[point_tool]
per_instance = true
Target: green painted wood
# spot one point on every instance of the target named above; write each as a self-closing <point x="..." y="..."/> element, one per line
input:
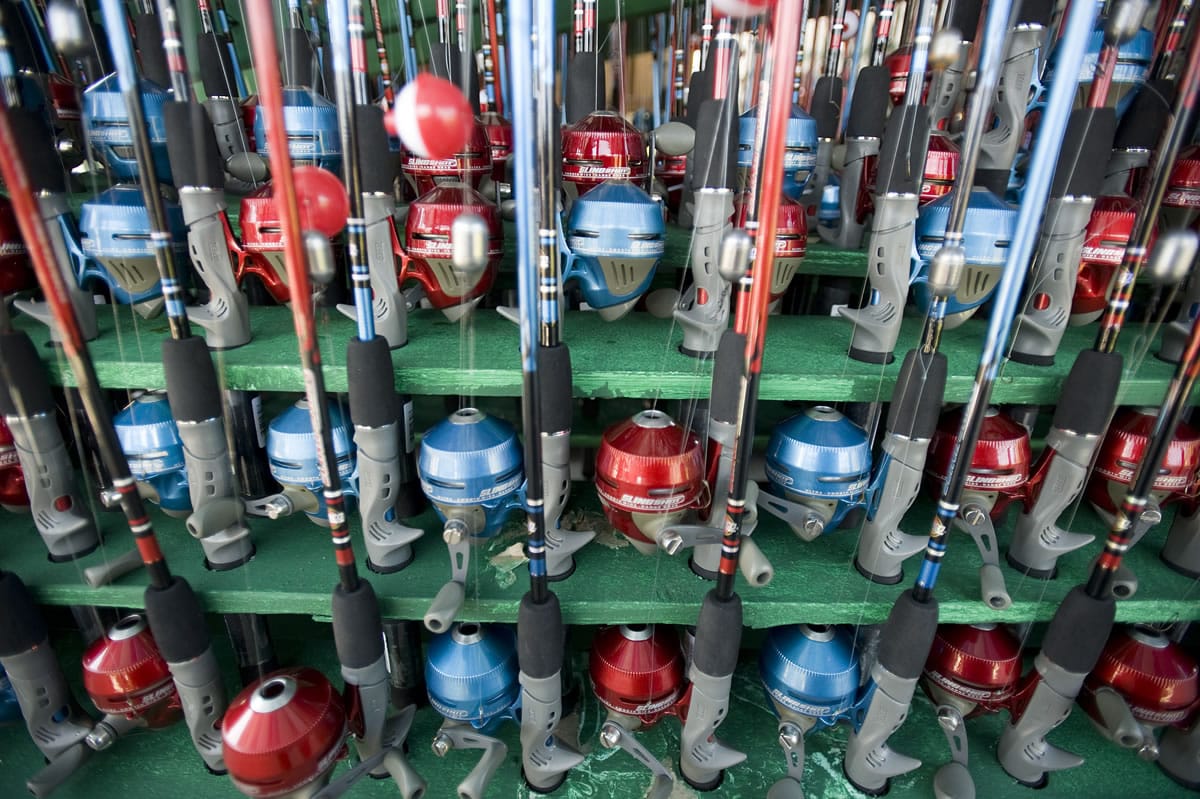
<point x="162" y="763"/>
<point x="636" y="357"/>
<point x="814" y="582"/>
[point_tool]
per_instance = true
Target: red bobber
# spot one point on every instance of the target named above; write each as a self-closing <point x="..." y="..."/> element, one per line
<point x="432" y="117"/>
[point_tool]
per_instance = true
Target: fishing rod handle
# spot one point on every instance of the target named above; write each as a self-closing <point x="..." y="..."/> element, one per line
<point x="889" y="250"/>
<point x="391" y="310"/>
<point x="1072" y="646"/>
<point x="244" y="170"/>
<point x="1175" y="334"/>
<point x="1179" y="755"/>
<point x="704" y="309"/>
<point x="703" y="757"/>
<point x="540" y="635"/>
<point x="374" y="698"/>
<point x="225" y="318"/>
<point x="459" y="736"/>
<point x="849" y="232"/>
<point x="870" y="762"/>
<point x="1181" y="551"/>
<point x="883" y="546"/>
<point x="947" y="83"/>
<point x="557" y="409"/>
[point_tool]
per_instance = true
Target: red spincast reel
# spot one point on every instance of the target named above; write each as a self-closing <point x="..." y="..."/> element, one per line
<point x="649" y="472"/>
<point x="15" y="271"/>
<point x="602" y="146"/>
<point x="262" y="243"/>
<point x="1158" y="680"/>
<point x="471" y="165"/>
<point x="126" y="676"/>
<point x="791" y="241"/>
<point x="898" y="63"/>
<point x="1181" y="203"/>
<point x="283" y="733"/>
<point x="976" y="666"/>
<point x="1104" y="244"/>
<point x="1125" y="444"/>
<point x="499" y="135"/>
<point x="637" y="670"/>
<point x="999" y="466"/>
<point x="941" y="169"/>
<point x="671" y="171"/>
<point x="428" y="250"/>
<point x="13" y="495"/>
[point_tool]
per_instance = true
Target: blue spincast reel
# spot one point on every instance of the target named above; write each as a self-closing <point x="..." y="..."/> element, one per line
<point x="107" y="125"/>
<point x="615" y="238"/>
<point x="115" y="246"/>
<point x="471" y="675"/>
<point x="813" y="671"/>
<point x="799" y="154"/>
<point x="471" y="469"/>
<point x="151" y="443"/>
<point x="818" y="464"/>
<point x="988" y="228"/>
<point x="312" y="130"/>
<point x="292" y="458"/>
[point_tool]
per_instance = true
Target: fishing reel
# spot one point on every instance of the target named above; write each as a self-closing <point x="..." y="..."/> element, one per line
<point x="470" y="166"/>
<point x="649" y="474"/>
<point x="56" y="97"/>
<point x="810" y="674"/>
<point x="898" y="64"/>
<point x="13" y="495"/>
<point x="998" y="475"/>
<point x="987" y="230"/>
<point x="601" y="146"/>
<point x="1144" y="681"/>
<point x="818" y="466"/>
<point x="1181" y="203"/>
<point x="261" y="253"/>
<point x="428" y="254"/>
<point x="282" y="736"/>
<point x="115" y="248"/>
<point x="472" y="471"/>
<point x="941" y="170"/>
<point x="637" y="674"/>
<point x="670" y="171"/>
<point x="799" y="150"/>
<point x="129" y="682"/>
<point x="312" y="130"/>
<point x="471" y="675"/>
<point x="151" y="443"/>
<point x="1134" y="58"/>
<point x="292" y="459"/>
<point x="498" y="131"/>
<point x="1104" y="244"/>
<point x="15" y="271"/>
<point x="106" y="127"/>
<point x="791" y="242"/>
<point x="615" y="237"/>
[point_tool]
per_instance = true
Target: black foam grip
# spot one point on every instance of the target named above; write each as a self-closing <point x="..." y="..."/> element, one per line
<point x="29" y="383"/>
<point x="826" y="106"/>
<point x="1077" y="633"/>
<point x="357" y="626"/>
<point x="177" y="621"/>
<point x="554" y="387"/>
<point x="25" y="55"/>
<point x="582" y="95"/>
<point x="216" y="68"/>
<point x="917" y="398"/>
<point x="35" y="143"/>
<point x="1144" y="122"/>
<point x="908" y="635"/>
<point x="191" y="380"/>
<point x="994" y="180"/>
<point x="21" y="624"/>
<point x="727" y="377"/>
<point x="1036" y="12"/>
<point x="713" y="161"/>
<point x="150" y="48"/>
<point x="964" y="17"/>
<point x="1086" y="145"/>
<point x="1089" y="393"/>
<point x="700" y="89"/>
<point x="375" y="156"/>
<point x="298" y="58"/>
<point x="718" y="635"/>
<point x="868" y="107"/>
<point x="540" y="637"/>
<point x="902" y="151"/>
<point x="373" y="401"/>
<point x="192" y="146"/>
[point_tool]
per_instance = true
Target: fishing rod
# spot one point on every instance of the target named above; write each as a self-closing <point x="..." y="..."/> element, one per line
<point x="920" y="386"/>
<point x="947" y="84"/>
<point x="908" y="633"/>
<point x="1083" y="410"/>
<point x="703" y="757"/>
<point x="357" y="624"/>
<point x="826" y="109"/>
<point x="384" y="87"/>
<point x="172" y="608"/>
<point x="380" y="315"/>
<point x="585" y="90"/>
<point x="902" y="156"/>
<point x="545" y="383"/>
<point x="492" y="63"/>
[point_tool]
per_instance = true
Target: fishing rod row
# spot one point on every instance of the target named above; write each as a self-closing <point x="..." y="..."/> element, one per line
<point x="992" y="198"/>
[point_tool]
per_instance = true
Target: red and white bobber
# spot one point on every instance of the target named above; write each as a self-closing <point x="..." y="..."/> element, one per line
<point x="129" y="682"/>
<point x="649" y="474"/>
<point x="431" y="117"/>
<point x="601" y="146"/>
<point x="1144" y="681"/>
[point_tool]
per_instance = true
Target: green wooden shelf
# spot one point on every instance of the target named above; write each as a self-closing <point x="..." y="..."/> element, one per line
<point x="293" y="573"/>
<point x="163" y="763"/>
<point x="638" y="356"/>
